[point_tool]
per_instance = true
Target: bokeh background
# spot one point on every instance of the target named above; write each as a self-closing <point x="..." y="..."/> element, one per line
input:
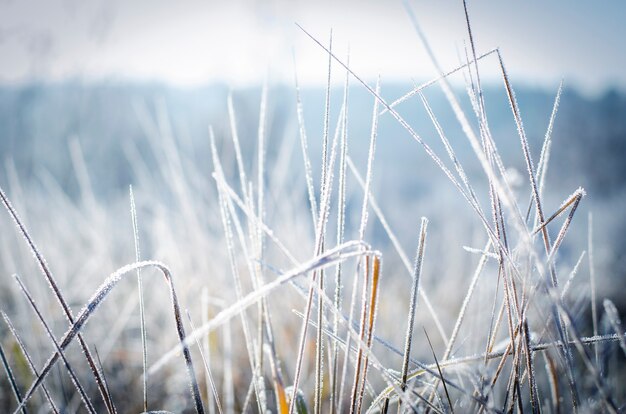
<point x="92" y="72"/>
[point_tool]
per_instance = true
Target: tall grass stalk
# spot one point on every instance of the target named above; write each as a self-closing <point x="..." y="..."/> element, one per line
<point x="142" y="314"/>
<point x="592" y="282"/>
<point x="226" y="222"/>
<point x="341" y="218"/>
<point x="419" y="258"/>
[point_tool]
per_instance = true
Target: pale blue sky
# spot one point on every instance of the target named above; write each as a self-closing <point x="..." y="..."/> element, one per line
<point x="239" y="42"/>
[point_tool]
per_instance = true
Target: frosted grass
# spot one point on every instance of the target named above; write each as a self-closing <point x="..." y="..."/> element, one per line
<point x="237" y="246"/>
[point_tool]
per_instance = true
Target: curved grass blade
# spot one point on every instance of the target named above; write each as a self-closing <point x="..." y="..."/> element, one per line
<point x="66" y="363"/>
<point x="329" y="258"/>
<point x="59" y="296"/>
<point x="94" y="302"/>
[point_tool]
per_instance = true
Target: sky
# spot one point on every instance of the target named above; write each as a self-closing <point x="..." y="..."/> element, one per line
<point x="193" y="42"/>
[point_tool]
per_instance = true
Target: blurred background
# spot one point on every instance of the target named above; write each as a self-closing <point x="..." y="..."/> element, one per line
<point x="94" y="72"/>
<point x="99" y="95"/>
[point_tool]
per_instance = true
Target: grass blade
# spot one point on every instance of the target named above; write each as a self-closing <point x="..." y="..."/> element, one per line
<point x="417" y="271"/>
<point x="9" y="372"/>
<point x="142" y="314"/>
<point x="445" y="387"/>
<point x="29" y="360"/>
<point x="206" y="367"/>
